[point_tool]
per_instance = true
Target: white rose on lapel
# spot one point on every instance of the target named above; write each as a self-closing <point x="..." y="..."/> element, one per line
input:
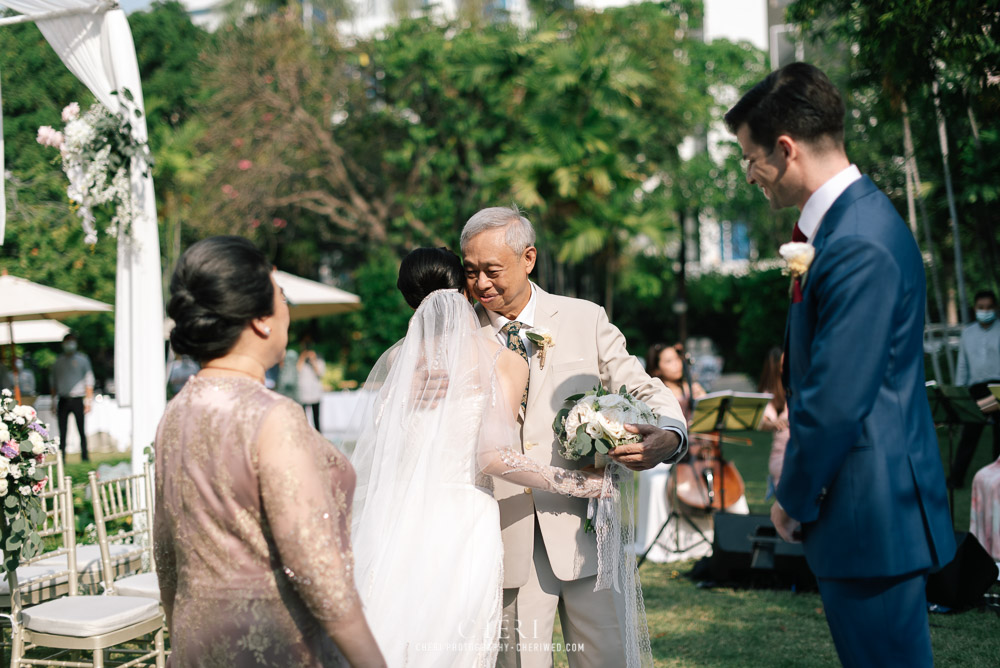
<point x="542" y="338"/>
<point x="798" y="256"/>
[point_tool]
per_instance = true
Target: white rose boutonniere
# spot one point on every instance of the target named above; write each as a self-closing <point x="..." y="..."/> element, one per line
<point x="798" y="256"/>
<point x="542" y="338"/>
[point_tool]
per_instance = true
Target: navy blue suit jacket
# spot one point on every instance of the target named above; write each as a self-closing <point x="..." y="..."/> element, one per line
<point x="862" y="468"/>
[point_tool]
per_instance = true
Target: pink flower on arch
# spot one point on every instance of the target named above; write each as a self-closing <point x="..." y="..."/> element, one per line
<point x="244" y="164"/>
<point x="255" y="223"/>
<point x="70" y="112"/>
<point x="280" y="223"/>
<point x="268" y="117"/>
<point x="48" y="136"/>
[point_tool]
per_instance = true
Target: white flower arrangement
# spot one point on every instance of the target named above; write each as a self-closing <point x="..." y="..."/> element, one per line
<point x="595" y="422"/>
<point x="24" y="442"/>
<point x="542" y="338"/>
<point x="98" y="150"/>
<point x="798" y="256"/>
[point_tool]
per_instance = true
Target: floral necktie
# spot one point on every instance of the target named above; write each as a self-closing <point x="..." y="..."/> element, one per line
<point x="512" y="330"/>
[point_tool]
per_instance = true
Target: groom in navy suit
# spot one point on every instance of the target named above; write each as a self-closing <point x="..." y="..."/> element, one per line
<point x="862" y="484"/>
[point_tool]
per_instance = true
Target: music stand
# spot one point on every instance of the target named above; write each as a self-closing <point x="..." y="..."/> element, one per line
<point x="728" y="411"/>
<point x="716" y="413"/>
<point x="952" y="406"/>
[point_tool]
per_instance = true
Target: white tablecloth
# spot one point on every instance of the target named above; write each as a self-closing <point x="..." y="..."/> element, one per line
<point x="340" y="416"/>
<point x="108" y="426"/>
<point x="680" y="539"/>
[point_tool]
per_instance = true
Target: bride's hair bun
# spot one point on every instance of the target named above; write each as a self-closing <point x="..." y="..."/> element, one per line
<point x="219" y="285"/>
<point x="425" y="270"/>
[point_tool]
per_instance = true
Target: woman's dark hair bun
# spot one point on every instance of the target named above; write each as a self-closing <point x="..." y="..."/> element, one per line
<point x="219" y="285"/>
<point x="425" y="270"/>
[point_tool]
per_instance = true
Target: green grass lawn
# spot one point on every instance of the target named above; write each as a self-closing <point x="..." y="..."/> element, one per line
<point x="743" y="628"/>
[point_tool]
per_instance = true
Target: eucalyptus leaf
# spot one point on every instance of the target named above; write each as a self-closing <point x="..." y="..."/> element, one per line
<point x="602" y="446"/>
<point x="10" y="501"/>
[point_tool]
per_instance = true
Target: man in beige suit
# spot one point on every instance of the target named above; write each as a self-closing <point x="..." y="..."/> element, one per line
<point x="550" y="563"/>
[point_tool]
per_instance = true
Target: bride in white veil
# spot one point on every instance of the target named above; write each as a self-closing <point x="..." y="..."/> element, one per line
<point x="426" y="529"/>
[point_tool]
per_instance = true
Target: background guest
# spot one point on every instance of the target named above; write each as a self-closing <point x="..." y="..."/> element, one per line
<point x="73" y="390"/>
<point x="775" y="415"/>
<point x="6" y="378"/>
<point x="310" y="369"/>
<point x="978" y="367"/>
<point x="181" y="369"/>
<point x="249" y="573"/>
<point x="668" y="362"/>
<point x="288" y="376"/>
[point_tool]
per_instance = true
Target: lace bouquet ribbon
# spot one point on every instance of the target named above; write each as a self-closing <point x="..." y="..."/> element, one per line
<point x="613" y="517"/>
<point x="591" y="425"/>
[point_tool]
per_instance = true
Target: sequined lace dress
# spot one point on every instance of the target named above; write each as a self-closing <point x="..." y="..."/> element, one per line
<point x="260" y="560"/>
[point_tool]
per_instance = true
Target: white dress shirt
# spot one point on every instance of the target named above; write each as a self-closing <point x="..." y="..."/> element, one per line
<point x="820" y="201"/>
<point x="526" y="317"/>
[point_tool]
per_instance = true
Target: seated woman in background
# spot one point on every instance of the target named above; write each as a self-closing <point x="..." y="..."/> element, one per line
<point x="668" y="363"/>
<point x="252" y="528"/>
<point x="775" y="416"/>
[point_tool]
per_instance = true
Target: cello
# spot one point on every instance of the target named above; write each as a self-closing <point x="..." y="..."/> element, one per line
<point x="702" y="480"/>
<point x="702" y="477"/>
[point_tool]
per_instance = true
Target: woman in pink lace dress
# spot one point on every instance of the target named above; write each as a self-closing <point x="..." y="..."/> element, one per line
<point x="252" y="524"/>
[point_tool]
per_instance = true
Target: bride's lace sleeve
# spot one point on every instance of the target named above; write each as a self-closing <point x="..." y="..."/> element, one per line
<point x="509" y="464"/>
<point x="306" y="492"/>
<point x="499" y="455"/>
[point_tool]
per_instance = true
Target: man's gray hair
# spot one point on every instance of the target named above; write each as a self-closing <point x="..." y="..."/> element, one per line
<point x="520" y="233"/>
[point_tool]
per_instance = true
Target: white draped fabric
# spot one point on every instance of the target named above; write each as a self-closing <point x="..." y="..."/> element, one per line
<point x="98" y="49"/>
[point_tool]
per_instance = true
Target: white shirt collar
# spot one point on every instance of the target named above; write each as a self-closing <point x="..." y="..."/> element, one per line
<point x="525" y="317"/>
<point x="820" y="201"/>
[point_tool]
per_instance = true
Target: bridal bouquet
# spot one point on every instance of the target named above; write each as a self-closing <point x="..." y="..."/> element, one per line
<point x="97" y="149"/>
<point x="594" y="422"/>
<point x="24" y="442"/>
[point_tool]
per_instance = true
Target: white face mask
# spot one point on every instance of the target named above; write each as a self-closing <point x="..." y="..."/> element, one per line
<point x="986" y="317"/>
<point x="69" y="347"/>
<point x="19" y="365"/>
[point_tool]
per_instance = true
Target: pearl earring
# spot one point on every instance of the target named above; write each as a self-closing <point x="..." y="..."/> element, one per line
<point x="266" y="330"/>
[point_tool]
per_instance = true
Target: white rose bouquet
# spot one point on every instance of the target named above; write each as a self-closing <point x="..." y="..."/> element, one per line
<point x="24" y="442"/>
<point x="595" y="422"/>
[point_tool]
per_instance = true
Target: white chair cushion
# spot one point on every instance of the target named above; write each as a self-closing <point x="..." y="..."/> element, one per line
<point x="144" y="584"/>
<point x="88" y="557"/>
<point x="26" y="574"/>
<point x="86" y="616"/>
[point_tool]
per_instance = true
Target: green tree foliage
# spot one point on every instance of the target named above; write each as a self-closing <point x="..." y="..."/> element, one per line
<point x="895" y="51"/>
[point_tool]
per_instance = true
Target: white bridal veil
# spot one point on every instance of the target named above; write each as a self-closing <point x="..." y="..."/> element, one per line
<point x="425" y="528"/>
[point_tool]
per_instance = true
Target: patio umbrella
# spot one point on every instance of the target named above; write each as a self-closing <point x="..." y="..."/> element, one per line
<point x="34" y="331"/>
<point x="306" y="299"/>
<point x="21" y="299"/>
<point x="311" y="299"/>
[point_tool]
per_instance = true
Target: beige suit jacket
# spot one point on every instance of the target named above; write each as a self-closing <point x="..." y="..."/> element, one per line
<point x="588" y="350"/>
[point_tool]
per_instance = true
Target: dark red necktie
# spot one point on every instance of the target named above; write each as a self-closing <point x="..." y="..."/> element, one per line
<point x="798" y="236"/>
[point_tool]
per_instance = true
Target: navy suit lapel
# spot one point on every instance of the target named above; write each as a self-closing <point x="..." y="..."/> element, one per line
<point x="831" y="220"/>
